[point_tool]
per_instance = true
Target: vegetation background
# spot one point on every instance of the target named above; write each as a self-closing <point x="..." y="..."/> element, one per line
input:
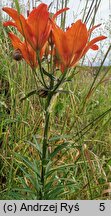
<point x="80" y="128"/>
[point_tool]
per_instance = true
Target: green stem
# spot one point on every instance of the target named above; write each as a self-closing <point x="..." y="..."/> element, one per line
<point x="35" y="77"/>
<point x="51" y="68"/>
<point x="46" y="129"/>
<point x="41" y="70"/>
<point x="60" y="81"/>
<point x="45" y="145"/>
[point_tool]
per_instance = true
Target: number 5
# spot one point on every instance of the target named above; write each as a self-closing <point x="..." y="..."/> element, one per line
<point x="102" y="207"/>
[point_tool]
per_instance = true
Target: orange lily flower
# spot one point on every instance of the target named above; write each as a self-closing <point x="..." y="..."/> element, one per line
<point x="26" y="50"/>
<point x="73" y="44"/>
<point x="35" y="29"/>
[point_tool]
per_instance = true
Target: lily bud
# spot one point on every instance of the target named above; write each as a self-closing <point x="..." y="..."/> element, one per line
<point x="17" y="55"/>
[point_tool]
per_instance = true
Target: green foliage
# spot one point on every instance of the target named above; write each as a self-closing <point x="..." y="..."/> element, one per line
<point x="78" y="159"/>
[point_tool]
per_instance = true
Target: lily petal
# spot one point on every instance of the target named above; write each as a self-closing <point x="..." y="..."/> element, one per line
<point x="93" y="28"/>
<point x="20" y="23"/>
<point x="38" y="21"/>
<point x="94" y="47"/>
<point x="77" y="36"/>
<point x="28" y="53"/>
<point x="59" y="12"/>
<point x="9" y="23"/>
<point x="91" y="44"/>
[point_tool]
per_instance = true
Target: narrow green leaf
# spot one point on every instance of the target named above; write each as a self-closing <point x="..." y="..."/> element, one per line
<point x="55" y="193"/>
<point x="29" y="94"/>
<point x="58" y="148"/>
<point x="60" y="137"/>
<point x="48" y="74"/>
<point x="27" y="163"/>
<point x="36" y="146"/>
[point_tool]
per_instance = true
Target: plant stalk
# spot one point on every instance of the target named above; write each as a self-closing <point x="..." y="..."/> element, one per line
<point x="45" y="145"/>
